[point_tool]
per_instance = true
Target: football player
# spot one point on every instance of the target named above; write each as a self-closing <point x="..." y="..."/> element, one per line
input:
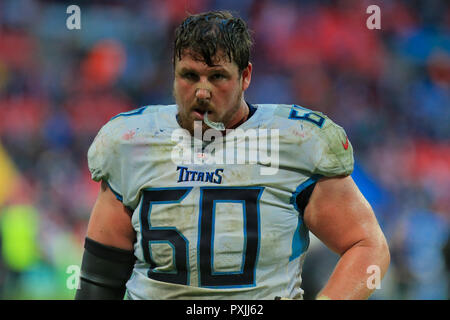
<point x="162" y="228"/>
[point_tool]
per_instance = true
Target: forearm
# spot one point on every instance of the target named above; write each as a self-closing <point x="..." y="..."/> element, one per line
<point x="349" y="279"/>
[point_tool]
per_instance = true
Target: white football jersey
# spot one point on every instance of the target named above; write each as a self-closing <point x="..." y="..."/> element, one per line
<point x="212" y="229"/>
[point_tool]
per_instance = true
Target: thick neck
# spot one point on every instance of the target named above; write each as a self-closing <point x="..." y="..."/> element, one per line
<point x="241" y="116"/>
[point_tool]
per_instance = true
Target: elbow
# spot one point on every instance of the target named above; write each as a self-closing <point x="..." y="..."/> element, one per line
<point x="383" y="254"/>
<point x="378" y="253"/>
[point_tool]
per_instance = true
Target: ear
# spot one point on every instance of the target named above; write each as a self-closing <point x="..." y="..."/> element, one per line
<point x="246" y="77"/>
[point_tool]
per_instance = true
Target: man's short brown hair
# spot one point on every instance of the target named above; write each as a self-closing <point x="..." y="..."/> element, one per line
<point x="206" y="34"/>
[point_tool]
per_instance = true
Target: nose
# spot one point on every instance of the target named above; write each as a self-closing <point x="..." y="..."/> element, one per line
<point x="202" y="93"/>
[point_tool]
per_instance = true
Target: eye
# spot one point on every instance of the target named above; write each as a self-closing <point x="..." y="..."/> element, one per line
<point x="189" y="76"/>
<point x="217" y="76"/>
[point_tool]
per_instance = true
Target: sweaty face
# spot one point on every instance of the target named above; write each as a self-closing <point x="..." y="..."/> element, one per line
<point x="216" y="90"/>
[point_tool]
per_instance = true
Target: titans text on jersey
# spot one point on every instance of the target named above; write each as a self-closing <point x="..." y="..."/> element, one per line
<point x="209" y="231"/>
<point x="192" y="175"/>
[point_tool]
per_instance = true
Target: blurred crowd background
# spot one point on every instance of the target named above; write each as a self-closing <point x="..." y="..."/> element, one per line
<point x="388" y="88"/>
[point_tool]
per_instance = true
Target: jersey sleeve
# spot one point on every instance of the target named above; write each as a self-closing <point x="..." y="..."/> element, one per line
<point x="336" y="156"/>
<point x="104" y="159"/>
<point x="312" y="143"/>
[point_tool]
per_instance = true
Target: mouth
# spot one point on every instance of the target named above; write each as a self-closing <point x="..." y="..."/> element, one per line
<point x="200" y="113"/>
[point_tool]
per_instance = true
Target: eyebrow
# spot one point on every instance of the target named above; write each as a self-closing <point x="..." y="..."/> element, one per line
<point x="211" y="69"/>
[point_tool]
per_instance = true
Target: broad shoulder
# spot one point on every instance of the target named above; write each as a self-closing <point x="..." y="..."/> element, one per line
<point x="143" y="119"/>
<point x="310" y="135"/>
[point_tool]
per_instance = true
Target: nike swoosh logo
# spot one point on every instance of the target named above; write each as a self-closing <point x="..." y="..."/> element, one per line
<point x="345" y="145"/>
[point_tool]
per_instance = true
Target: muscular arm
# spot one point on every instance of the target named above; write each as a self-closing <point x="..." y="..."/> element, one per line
<point x="340" y="216"/>
<point x="110" y="221"/>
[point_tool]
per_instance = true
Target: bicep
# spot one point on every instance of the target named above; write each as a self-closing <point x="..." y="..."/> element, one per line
<point x="340" y="216"/>
<point x="110" y="221"/>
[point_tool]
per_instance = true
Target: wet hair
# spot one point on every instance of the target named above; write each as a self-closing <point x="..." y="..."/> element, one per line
<point x="206" y="34"/>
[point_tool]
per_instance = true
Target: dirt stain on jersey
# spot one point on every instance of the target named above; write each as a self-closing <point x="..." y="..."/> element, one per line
<point x="129" y="135"/>
<point x="238" y="175"/>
